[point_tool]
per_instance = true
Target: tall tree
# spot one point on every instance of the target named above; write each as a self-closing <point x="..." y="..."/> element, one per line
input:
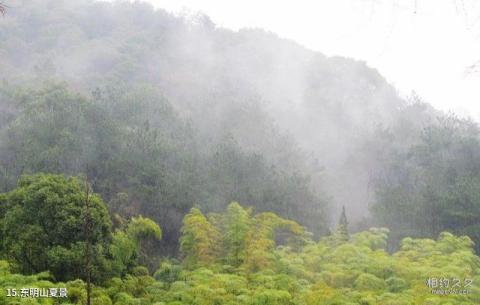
<point x="199" y="239"/>
<point x="342" y="233"/>
<point x="434" y="185"/>
<point x="88" y="230"/>
<point x="44" y="227"/>
<point x="237" y="224"/>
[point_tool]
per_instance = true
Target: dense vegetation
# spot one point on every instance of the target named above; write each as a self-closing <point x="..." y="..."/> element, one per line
<point x="236" y="257"/>
<point x="434" y="185"/>
<point x="142" y="158"/>
<point x="116" y="119"/>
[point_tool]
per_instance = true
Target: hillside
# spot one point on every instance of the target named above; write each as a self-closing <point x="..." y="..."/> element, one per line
<point x="154" y="159"/>
<point x="178" y="111"/>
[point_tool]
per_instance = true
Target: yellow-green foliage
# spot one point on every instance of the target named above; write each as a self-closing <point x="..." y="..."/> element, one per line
<point x="199" y="239"/>
<point x="279" y="265"/>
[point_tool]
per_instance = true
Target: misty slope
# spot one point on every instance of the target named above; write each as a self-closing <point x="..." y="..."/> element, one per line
<point x="266" y="93"/>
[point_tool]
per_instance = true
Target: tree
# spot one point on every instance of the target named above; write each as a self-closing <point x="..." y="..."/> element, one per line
<point x="126" y="248"/>
<point x="342" y="233"/>
<point x="88" y="230"/>
<point x="433" y="186"/>
<point x="43" y="227"/>
<point x="266" y="231"/>
<point x="58" y="131"/>
<point x="199" y="239"/>
<point x="237" y="223"/>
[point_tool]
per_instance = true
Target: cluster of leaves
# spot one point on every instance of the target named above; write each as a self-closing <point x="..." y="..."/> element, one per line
<point x="142" y="157"/>
<point x="236" y="238"/>
<point x="434" y="184"/>
<point x="44" y="229"/>
<point x="239" y="258"/>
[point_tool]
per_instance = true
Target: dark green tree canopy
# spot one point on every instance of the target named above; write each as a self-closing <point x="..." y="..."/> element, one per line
<point x="433" y="185"/>
<point x="43" y="225"/>
<point x="342" y="228"/>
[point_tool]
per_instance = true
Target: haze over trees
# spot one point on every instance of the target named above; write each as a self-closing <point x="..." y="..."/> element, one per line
<point x="225" y="167"/>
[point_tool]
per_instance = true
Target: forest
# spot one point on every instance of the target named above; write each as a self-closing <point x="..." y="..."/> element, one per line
<point x="151" y="158"/>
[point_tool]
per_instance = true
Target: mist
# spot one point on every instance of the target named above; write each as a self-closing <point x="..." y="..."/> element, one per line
<point x="155" y="158"/>
<point x="328" y="125"/>
<point x="329" y="108"/>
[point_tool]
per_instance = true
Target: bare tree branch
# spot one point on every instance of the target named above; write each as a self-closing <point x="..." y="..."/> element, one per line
<point x="3" y="8"/>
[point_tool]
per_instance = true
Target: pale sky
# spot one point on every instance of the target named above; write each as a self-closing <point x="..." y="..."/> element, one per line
<point x="418" y="45"/>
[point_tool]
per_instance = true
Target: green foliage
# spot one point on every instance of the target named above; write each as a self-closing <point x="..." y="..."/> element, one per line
<point x="126" y="247"/>
<point x="48" y="135"/>
<point x="143" y="156"/>
<point x="342" y="234"/>
<point x="236" y="240"/>
<point x="43" y="229"/>
<point x="268" y="229"/>
<point x="357" y="271"/>
<point x="168" y="272"/>
<point x="199" y="239"/>
<point x="43" y="223"/>
<point x="237" y="223"/>
<point x="130" y="113"/>
<point x="140" y="228"/>
<point x="434" y="186"/>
